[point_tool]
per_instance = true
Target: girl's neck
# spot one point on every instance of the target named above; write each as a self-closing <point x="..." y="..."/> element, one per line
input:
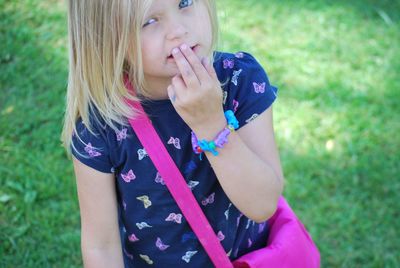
<point x="157" y="88"/>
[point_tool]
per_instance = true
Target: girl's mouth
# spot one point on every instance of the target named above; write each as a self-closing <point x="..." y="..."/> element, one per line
<point x="194" y="48"/>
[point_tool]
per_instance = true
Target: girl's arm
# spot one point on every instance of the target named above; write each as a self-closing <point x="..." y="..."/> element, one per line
<point x="100" y="238"/>
<point x="248" y="167"/>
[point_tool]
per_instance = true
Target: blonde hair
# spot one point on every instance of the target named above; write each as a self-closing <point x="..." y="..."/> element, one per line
<point x="100" y="34"/>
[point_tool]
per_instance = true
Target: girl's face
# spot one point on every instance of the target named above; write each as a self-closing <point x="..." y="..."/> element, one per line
<point x="167" y="25"/>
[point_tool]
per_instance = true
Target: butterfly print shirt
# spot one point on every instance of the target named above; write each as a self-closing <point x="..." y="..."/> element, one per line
<point x="153" y="230"/>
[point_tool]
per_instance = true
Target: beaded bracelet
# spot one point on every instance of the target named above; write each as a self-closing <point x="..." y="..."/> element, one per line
<point x="203" y="145"/>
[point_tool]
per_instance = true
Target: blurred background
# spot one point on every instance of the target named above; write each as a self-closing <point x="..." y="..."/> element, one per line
<point x="337" y="124"/>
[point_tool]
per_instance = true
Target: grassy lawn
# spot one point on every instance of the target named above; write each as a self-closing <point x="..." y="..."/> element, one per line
<point x="337" y="124"/>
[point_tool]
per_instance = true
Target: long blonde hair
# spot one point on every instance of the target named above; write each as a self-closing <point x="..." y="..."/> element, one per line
<point x="100" y="34"/>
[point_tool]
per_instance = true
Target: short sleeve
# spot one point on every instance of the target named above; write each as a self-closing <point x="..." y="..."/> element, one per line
<point x="249" y="90"/>
<point x="91" y="148"/>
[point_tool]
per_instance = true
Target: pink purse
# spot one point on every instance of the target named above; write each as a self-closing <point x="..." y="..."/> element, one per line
<point x="289" y="244"/>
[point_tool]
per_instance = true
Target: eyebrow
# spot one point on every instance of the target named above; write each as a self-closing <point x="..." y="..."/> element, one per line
<point x="158" y="11"/>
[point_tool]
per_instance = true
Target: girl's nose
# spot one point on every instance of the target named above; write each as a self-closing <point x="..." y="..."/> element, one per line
<point x="176" y="30"/>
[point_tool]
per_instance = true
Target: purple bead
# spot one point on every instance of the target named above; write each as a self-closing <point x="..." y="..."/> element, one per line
<point x="222" y="138"/>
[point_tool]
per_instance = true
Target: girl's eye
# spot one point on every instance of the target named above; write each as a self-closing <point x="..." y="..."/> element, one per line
<point x="182" y="4"/>
<point x="185" y="3"/>
<point x="150" y="21"/>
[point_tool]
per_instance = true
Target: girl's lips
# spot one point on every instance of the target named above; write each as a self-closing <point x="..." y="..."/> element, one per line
<point x="194" y="48"/>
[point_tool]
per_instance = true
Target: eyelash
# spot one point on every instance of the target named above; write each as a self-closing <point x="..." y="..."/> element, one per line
<point x="187" y="2"/>
<point x="181" y="6"/>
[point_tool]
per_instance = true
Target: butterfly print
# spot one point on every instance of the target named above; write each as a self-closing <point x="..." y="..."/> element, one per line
<point x="228" y="63"/>
<point x="160" y="245"/>
<point x="254" y="116"/>
<point x="193" y="184"/>
<point x="159" y="179"/>
<point x="208" y="200"/>
<point x="188" y="256"/>
<point x="174" y="217"/>
<point x="175" y="141"/>
<point x="259" y="88"/>
<point x="239" y="55"/>
<point x="235" y="77"/>
<point x="224" y="96"/>
<point x="121" y="135"/>
<point x="248" y="223"/>
<point x="220" y="236"/>
<point x="142" y="225"/>
<point x="130" y="256"/>
<point x="261" y="227"/>
<point x="91" y="151"/>
<point x="133" y="238"/>
<point x="238" y="219"/>
<point x="142" y="154"/>
<point x="227" y="211"/>
<point x="249" y="243"/>
<point x="128" y="177"/>
<point x="236" y="253"/>
<point x="229" y="253"/>
<point x="146" y="259"/>
<point x="190" y="167"/>
<point x="235" y="105"/>
<point x="188" y="236"/>
<point x="145" y="199"/>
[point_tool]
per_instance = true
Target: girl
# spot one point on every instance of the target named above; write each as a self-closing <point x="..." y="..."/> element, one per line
<point x="165" y="49"/>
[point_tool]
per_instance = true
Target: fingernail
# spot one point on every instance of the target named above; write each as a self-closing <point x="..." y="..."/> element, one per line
<point x="184" y="46"/>
<point x="171" y="94"/>
<point x="175" y="51"/>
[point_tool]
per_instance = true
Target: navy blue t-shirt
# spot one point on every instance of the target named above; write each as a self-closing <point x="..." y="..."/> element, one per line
<point x="154" y="232"/>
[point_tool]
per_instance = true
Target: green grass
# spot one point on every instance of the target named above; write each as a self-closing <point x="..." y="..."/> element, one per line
<point x="337" y="124"/>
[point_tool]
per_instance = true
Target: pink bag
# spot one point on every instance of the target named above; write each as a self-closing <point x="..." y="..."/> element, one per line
<point x="289" y="244"/>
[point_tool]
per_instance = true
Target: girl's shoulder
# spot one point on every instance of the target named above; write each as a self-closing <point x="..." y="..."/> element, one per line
<point x="229" y="61"/>
<point x="96" y="125"/>
<point x="246" y="86"/>
<point x="232" y="66"/>
<point x="94" y="142"/>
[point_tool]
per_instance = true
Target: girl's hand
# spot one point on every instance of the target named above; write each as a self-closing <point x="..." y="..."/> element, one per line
<point x="196" y="94"/>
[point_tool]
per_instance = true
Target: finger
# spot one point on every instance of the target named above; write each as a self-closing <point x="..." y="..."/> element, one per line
<point x="179" y="86"/>
<point x="186" y="70"/>
<point x="195" y="63"/>
<point x="171" y="93"/>
<point x="209" y="68"/>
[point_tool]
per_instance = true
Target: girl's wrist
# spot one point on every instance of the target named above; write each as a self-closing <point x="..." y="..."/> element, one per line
<point x="209" y="130"/>
<point x="210" y="145"/>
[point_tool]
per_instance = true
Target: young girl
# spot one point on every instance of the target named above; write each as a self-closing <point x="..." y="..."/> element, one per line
<point x="165" y="49"/>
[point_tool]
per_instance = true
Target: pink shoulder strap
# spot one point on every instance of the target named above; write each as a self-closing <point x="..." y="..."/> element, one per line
<point x="178" y="188"/>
